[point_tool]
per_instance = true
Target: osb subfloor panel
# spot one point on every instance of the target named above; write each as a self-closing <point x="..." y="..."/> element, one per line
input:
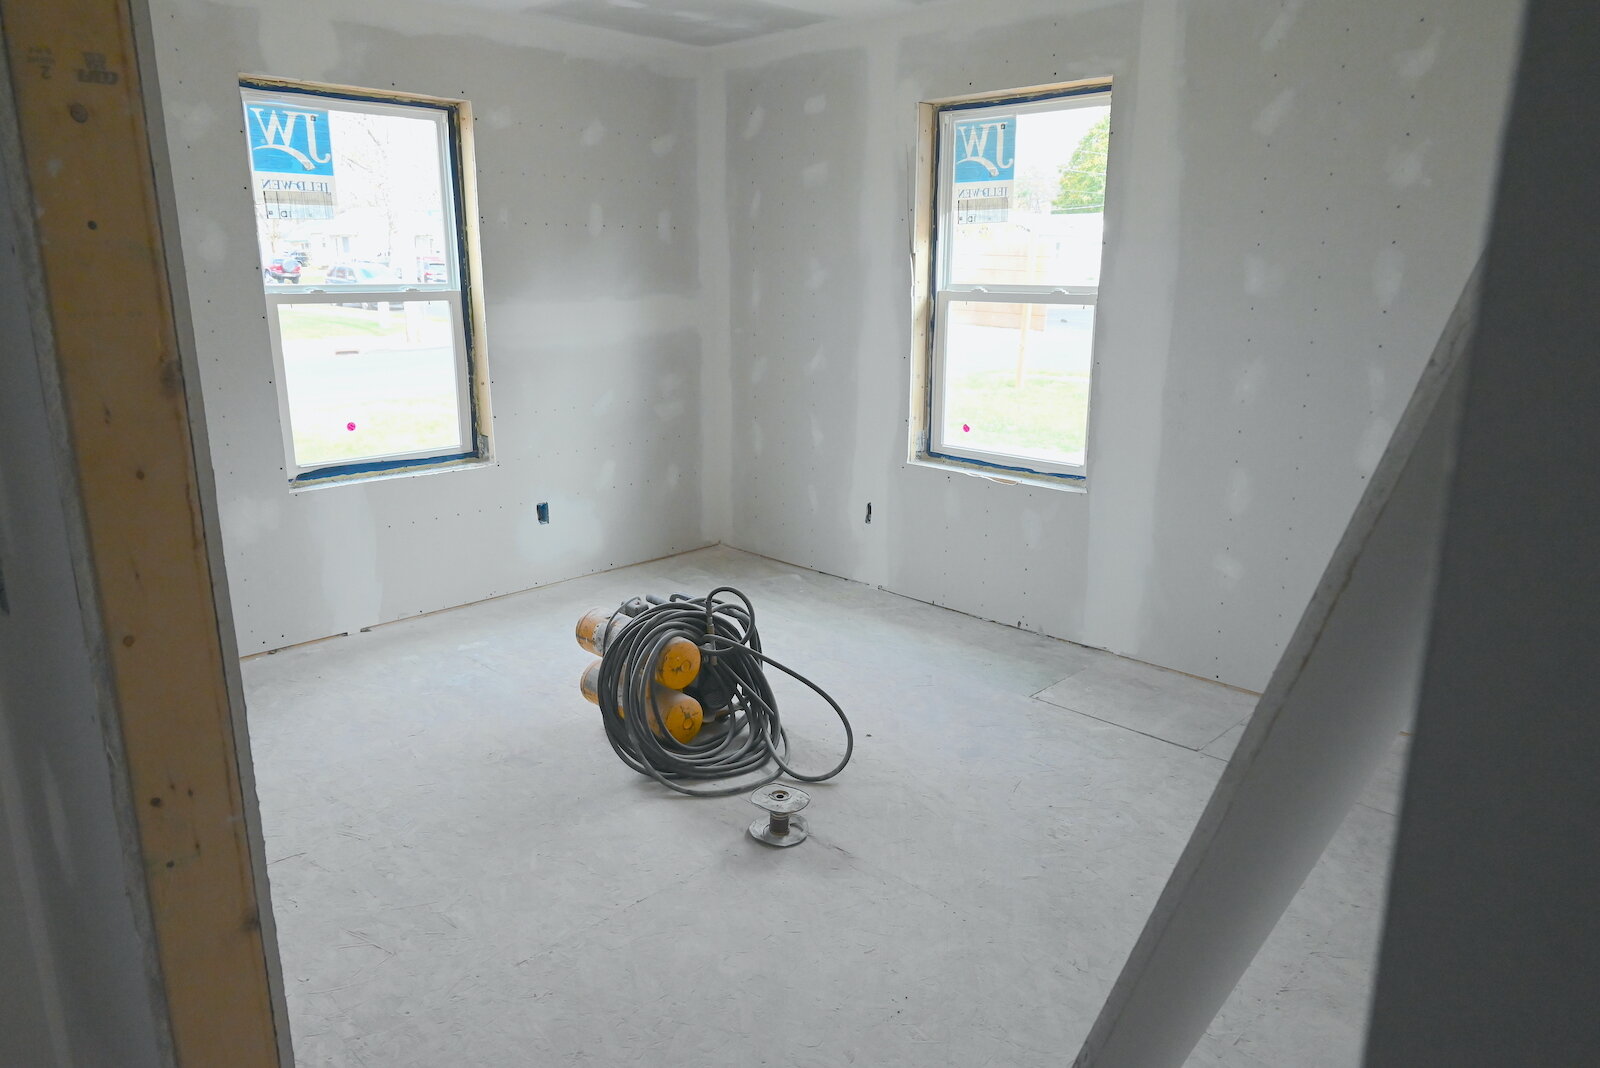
<point x="465" y="875"/>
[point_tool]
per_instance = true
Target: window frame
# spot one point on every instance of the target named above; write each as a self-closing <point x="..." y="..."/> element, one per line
<point x="461" y="293"/>
<point x="935" y="293"/>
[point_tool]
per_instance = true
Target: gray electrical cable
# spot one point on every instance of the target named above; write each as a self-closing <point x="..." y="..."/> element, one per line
<point x="750" y="741"/>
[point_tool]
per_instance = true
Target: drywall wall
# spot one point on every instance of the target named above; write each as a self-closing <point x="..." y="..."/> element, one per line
<point x="1296" y="194"/>
<point x="77" y="983"/>
<point x="1491" y="943"/>
<point x="697" y="275"/>
<point x="588" y="176"/>
<point x="1346" y="684"/>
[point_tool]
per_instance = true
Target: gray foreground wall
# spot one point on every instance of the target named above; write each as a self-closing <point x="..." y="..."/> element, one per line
<point x="75" y="985"/>
<point x="1491" y="946"/>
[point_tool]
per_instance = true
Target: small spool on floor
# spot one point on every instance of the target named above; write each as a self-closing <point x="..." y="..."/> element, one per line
<point x="782" y="827"/>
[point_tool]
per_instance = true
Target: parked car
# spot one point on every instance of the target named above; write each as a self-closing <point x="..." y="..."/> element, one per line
<point x="285" y="269"/>
<point x="361" y="273"/>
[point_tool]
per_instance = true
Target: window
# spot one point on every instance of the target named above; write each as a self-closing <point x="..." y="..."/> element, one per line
<point x="1017" y="191"/>
<point x="364" y="268"/>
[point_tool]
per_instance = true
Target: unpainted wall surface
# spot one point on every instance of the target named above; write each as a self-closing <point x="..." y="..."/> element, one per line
<point x="76" y="986"/>
<point x="1491" y="945"/>
<point x="1297" y="193"/>
<point x="587" y="182"/>
<point x="697" y="271"/>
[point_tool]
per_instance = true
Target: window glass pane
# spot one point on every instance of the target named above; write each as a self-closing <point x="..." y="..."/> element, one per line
<point x="1027" y="196"/>
<point x="347" y="196"/>
<point x="370" y="380"/>
<point x="1016" y="378"/>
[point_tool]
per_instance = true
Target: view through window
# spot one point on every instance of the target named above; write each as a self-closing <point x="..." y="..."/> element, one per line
<point x="1020" y="194"/>
<point x="358" y="224"/>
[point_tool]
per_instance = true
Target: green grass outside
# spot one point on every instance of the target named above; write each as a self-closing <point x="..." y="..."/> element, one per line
<point x="398" y="425"/>
<point x="1047" y="415"/>
<point x="317" y="322"/>
<point x="372" y="367"/>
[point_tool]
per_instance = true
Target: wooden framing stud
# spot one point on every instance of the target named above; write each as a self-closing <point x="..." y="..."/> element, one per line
<point x="80" y="115"/>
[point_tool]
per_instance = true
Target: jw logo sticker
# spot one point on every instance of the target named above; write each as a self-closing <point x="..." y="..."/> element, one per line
<point x="289" y="140"/>
<point x="291" y="155"/>
<point x="985" y="168"/>
<point x="986" y="149"/>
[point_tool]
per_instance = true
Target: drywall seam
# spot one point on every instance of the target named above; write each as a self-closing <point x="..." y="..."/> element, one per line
<point x="956" y="17"/>
<point x="879" y="260"/>
<point x="715" y="297"/>
<point x="529" y="29"/>
<point x="1123" y="480"/>
<point x="485" y="600"/>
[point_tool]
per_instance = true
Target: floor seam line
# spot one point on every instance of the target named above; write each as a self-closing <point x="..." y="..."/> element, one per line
<point x="1130" y="730"/>
<point x="1242" y="719"/>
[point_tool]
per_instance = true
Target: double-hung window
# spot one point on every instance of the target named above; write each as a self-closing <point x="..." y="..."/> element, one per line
<point x="364" y="266"/>
<point x="1018" y="201"/>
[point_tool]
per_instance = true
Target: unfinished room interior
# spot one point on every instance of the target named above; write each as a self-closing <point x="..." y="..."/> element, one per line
<point x="798" y="532"/>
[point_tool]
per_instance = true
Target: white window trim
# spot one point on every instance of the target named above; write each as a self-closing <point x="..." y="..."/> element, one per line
<point x="933" y="309"/>
<point x="457" y="293"/>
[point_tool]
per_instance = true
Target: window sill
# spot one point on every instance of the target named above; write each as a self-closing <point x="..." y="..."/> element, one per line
<point x="366" y="477"/>
<point x="1004" y="478"/>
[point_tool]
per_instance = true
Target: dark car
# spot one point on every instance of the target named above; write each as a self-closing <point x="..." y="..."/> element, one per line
<point x="285" y="269"/>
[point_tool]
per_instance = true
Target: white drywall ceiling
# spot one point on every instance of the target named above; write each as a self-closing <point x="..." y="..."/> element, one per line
<point x="700" y="22"/>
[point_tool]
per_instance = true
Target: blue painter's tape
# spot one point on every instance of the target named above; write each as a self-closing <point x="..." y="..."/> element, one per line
<point x="322" y="473"/>
<point x="1026" y="98"/>
<point x="1007" y="467"/>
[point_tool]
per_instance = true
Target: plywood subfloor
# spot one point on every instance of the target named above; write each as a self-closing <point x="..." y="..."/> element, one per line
<point x="464" y="874"/>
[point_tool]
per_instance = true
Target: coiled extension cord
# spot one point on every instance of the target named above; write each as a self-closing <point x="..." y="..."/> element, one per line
<point x="751" y="739"/>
